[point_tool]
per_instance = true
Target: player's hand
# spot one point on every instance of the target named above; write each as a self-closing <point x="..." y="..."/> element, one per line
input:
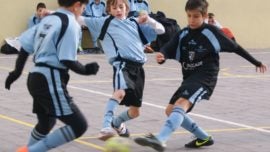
<point x="262" y="68"/>
<point x="92" y="68"/>
<point x="13" y="76"/>
<point x="143" y="17"/>
<point x="160" y="58"/>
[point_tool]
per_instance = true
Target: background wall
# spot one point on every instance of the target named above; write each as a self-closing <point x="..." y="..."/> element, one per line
<point x="14" y="15"/>
<point x="248" y="19"/>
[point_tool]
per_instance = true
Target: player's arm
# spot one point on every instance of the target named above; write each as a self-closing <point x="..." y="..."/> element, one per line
<point x="169" y="50"/>
<point x="243" y="53"/>
<point x="77" y="67"/>
<point x="15" y="74"/>
<point x="144" y="18"/>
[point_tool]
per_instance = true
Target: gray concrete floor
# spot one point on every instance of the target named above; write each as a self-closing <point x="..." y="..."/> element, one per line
<point x="237" y="115"/>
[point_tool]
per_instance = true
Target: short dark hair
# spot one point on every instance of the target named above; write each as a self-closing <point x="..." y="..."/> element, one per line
<point x="211" y="15"/>
<point x="41" y="5"/>
<point x="201" y="5"/>
<point x="67" y="3"/>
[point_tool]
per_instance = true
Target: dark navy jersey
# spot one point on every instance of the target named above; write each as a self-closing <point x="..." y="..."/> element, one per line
<point x="198" y="51"/>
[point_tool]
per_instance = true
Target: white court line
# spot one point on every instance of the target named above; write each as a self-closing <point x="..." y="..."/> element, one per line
<point x="193" y="114"/>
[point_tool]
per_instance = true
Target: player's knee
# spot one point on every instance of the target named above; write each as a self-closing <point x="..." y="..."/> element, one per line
<point x="133" y="113"/>
<point x="119" y="95"/>
<point x="168" y="110"/>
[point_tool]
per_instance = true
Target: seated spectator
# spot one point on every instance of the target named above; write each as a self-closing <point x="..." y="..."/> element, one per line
<point x="228" y="33"/>
<point x="136" y="6"/>
<point x="95" y="8"/>
<point x="211" y="20"/>
<point x="36" y="18"/>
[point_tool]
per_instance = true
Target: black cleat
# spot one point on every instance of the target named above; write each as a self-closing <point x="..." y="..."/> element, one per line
<point x="197" y="143"/>
<point x="151" y="141"/>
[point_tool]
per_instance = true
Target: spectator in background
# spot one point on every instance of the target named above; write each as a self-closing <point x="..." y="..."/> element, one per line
<point x="36" y="18"/>
<point x="211" y="20"/>
<point x="136" y="6"/>
<point x="95" y="8"/>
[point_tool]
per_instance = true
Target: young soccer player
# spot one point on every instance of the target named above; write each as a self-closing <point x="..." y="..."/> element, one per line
<point x="54" y="42"/>
<point x="123" y="42"/>
<point x="36" y="18"/>
<point x="197" y="48"/>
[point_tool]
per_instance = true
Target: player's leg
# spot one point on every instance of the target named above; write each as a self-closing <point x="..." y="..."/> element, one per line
<point x="198" y="132"/>
<point x="107" y="131"/>
<point x="42" y="128"/>
<point x="202" y="138"/>
<point x="76" y="125"/>
<point x="173" y="122"/>
<point x="118" y="122"/>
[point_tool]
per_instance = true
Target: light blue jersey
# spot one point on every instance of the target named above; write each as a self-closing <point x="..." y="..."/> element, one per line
<point x="33" y="20"/>
<point x="138" y="6"/>
<point x="95" y="10"/>
<point x="41" y="40"/>
<point x="121" y="39"/>
<point x="142" y="6"/>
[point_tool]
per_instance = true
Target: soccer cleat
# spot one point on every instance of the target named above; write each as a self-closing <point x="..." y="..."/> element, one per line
<point x="197" y="143"/>
<point x="122" y="130"/>
<point x="22" y="149"/>
<point x="151" y="141"/>
<point x="106" y="133"/>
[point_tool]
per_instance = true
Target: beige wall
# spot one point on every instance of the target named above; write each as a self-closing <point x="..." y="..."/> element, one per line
<point x="248" y="19"/>
<point x="15" y="14"/>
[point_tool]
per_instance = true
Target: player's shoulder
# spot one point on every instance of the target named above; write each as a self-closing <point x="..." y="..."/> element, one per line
<point x="212" y="28"/>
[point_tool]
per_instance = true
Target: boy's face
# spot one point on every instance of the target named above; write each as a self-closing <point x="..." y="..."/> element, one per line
<point x="119" y="10"/>
<point x="78" y="9"/>
<point x="211" y="21"/>
<point x="40" y="12"/>
<point x="195" y="18"/>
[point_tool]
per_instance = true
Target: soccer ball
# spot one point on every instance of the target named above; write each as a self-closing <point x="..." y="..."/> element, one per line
<point x="117" y="144"/>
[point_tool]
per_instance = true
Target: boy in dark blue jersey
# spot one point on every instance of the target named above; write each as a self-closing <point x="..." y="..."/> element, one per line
<point x="53" y="43"/>
<point x="197" y="48"/>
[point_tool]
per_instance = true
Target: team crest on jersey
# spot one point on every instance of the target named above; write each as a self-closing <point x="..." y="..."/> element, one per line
<point x="191" y="55"/>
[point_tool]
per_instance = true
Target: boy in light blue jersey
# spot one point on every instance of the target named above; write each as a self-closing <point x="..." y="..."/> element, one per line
<point x="53" y="43"/>
<point x="123" y="43"/>
<point x="36" y="18"/>
<point x="95" y="8"/>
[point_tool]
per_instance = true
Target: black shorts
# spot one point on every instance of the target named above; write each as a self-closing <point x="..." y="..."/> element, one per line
<point x="130" y="77"/>
<point x="48" y="88"/>
<point x="194" y="89"/>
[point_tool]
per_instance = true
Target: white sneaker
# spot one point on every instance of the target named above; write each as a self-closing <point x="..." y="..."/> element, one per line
<point x="122" y="130"/>
<point x="106" y="133"/>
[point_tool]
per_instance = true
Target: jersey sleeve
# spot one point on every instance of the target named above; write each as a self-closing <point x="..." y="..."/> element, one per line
<point x="170" y="48"/>
<point x="27" y="39"/>
<point x="228" y="45"/>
